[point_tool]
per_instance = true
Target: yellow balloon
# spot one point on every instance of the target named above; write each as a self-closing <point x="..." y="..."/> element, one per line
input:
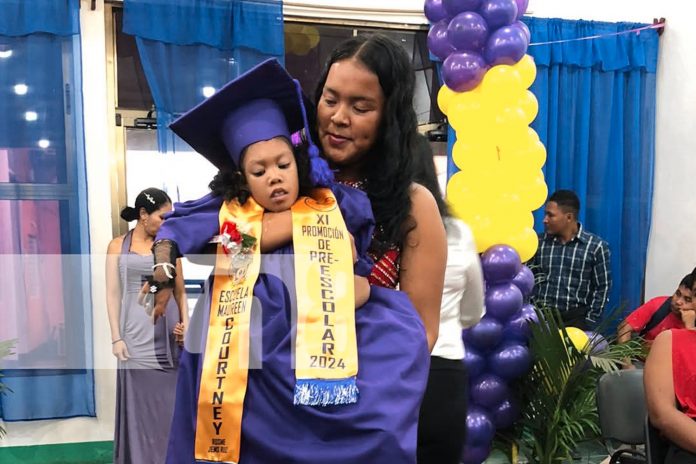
<point x="312" y="33"/>
<point x="529" y="105"/>
<point x="534" y="192"/>
<point x="527" y="70"/>
<point x="525" y="241"/>
<point x="518" y="139"/>
<point x="466" y="200"/>
<point x="467" y="112"/>
<point x="502" y="83"/>
<point x="302" y="44"/>
<point x="468" y="155"/>
<point x="527" y="160"/>
<point x="511" y="120"/>
<point x="444" y="98"/>
<point x="290" y="42"/>
<point x="479" y="182"/>
<point x="482" y="229"/>
<point x="577" y="337"/>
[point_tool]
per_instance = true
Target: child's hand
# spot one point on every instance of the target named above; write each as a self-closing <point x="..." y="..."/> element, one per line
<point x="179" y="331"/>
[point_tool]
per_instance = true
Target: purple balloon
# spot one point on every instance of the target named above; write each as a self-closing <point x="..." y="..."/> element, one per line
<point x="517" y="328"/>
<point x="506" y="413"/>
<point x="528" y="312"/>
<point x="500" y="264"/>
<point x="437" y="40"/>
<point x="524" y="280"/>
<point x="511" y="361"/>
<point x="525" y="29"/>
<point x="489" y="390"/>
<point x="463" y="71"/>
<point x="434" y="11"/>
<point x="475" y="454"/>
<point x="454" y="7"/>
<point x="474" y="362"/>
<point x="521" y="7"/>
<point x="479" y="427"/>
<point x="498" y="13"/>
<point x="485" y="335"/>
<point x="597" y="342"/>
<point x="503" y="301"/>
<point x="467" y="31"/>
<point x="507" y="45"/>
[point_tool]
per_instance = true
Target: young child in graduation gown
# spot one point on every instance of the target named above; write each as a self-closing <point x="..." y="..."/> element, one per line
<point x="275" y="368"/>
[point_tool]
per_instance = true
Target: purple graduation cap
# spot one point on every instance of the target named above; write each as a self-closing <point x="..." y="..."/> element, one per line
<point x="263" y="103"/>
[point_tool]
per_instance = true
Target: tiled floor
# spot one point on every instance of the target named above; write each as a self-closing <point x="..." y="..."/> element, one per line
<point x="589" y="453"/>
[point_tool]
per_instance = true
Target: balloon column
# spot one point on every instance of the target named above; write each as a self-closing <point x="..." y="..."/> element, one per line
<point x="482" y="44"/>
<point x="496" y="349"/>
<point x="486" y="73"/>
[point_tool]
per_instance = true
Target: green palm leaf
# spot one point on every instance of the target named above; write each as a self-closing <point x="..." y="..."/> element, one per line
<point x="5" y="350"/>
<point x="557" y="396"/>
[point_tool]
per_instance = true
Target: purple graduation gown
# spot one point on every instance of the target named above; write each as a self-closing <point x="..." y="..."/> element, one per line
<point x="392" y="354"/>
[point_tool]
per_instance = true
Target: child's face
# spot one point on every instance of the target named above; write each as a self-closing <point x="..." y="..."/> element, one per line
<point x="271" y="173"/>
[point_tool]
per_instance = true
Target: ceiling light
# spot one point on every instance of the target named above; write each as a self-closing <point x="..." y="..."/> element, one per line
<point x="21" y="89"/>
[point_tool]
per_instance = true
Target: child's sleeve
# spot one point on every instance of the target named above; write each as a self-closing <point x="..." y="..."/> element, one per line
<point x="192" y="224"/>
<point x="357" y="213"/>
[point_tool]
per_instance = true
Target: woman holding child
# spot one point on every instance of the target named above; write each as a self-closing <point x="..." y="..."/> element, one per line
<point x="293" y="408"/>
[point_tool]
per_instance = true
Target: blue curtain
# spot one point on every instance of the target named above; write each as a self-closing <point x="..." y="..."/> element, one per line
<point x="42" y="172"/>
<point x="190" y="48"/>
<point x="597" y="120"/>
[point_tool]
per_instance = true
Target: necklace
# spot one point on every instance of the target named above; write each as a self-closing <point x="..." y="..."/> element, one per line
<point x="357" y="184"/>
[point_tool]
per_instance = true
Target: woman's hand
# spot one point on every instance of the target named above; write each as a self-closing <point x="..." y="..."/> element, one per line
<point x="179" y="333"/>
<point x="353" y="248"/>
<point x="362" y="291"/>
<point x="120" y="350"/>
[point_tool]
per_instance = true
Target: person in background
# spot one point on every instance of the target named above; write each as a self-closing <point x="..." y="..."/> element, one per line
<point x="572" y="266"/>
<point x="147" y="353"/>
<point x="442" y="421"/>
<point x="670" y="388"/>
<point x="659" y="314"/>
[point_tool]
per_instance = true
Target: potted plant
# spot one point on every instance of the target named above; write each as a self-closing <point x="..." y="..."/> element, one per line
<point x="557" y="396"/>
<point x="5" y="350"/>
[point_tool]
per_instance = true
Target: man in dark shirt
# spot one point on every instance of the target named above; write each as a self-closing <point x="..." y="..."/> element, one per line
<point x="571" y="266"/>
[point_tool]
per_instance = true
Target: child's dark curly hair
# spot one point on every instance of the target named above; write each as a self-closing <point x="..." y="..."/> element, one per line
<point x="230" y="184"/>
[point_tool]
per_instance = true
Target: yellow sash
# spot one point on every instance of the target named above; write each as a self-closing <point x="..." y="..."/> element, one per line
<point x="226" y="362"/>
<point x="326" y="354"/>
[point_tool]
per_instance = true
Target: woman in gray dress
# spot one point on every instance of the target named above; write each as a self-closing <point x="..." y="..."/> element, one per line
<point x="147" y="351"/>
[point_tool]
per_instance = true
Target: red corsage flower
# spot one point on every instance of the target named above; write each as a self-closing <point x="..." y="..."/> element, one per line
<point x="233" y="241"/>
<point x="230" y="229"/>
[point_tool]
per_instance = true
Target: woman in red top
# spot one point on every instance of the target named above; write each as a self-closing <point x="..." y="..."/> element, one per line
<point x="670" y="389"/>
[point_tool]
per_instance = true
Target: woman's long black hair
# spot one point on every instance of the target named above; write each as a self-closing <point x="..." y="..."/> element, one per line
<point x="425" y="174"/>
<point x="230" y="183"/>
<point x="389" y="169"/>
